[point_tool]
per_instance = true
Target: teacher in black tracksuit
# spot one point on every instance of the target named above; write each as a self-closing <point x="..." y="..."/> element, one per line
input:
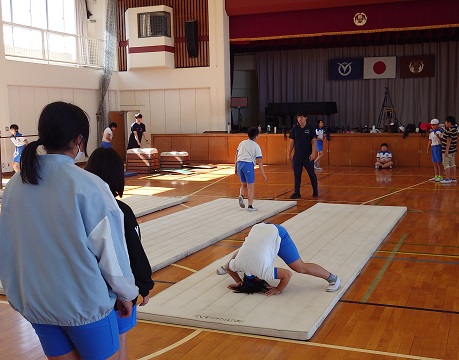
<point x="303" y="140"/>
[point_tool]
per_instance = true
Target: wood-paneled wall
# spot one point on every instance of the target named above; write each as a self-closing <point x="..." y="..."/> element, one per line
<point x="184" y="10"/>
<point x="341" y="150"/>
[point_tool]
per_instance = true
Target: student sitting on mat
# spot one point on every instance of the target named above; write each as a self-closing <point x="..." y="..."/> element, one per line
<point x="108" y="165"/>
<point x="256" y="256"/>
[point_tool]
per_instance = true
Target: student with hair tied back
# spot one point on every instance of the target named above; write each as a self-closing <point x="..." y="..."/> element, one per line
<point x="108" y="165"/>
<point x="64" y="268"/>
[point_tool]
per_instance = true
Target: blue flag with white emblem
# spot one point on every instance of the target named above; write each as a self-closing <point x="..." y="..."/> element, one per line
<point x="345" y="69"/>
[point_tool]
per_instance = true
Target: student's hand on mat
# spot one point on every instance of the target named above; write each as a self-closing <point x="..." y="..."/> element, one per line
<point x="124" y="308"/>
<point x="272" y="291"/>
<point x="145" y="300"/>
<point x="232" y="286"/>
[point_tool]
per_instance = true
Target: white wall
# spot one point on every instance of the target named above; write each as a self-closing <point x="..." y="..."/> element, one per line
<point x="172" y="100"/>
<point x="184" y="101"/>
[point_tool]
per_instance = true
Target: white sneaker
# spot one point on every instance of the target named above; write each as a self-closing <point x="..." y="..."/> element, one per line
<point x="241" y="201"/>
<point x="453" y="180"/>
<point x="251" y="209"/>
<point x="445" y="181"/>
<point x="334" y="285"/>
<point x="221" y="270"/>
<point x="317" y="168"/>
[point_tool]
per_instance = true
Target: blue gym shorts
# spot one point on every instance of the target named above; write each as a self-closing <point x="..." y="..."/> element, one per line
<point x="319" y="145"/>
<point x="96" y="341"/>
<point x="126" y="324"/>
<point x="246" y="172"/>
<point x="105" y="144"/>
<point x="436" y="154"/>
<point x="287" y="251"/>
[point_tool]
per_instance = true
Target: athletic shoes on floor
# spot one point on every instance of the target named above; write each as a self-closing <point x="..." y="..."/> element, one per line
<point x="315" y="195"/>
<point x="317" y="167"/>
<point x="334" y="285"/>
<point x="453" y="180"/>
<point x="445" y="181"/>
<point x="241" y="201"/>
<point x="295" y="196"/>
<point x="251" y="208"/>
<point x="221" y="270"/>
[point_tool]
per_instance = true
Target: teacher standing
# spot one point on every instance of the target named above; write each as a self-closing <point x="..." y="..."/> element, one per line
<point x="137" y="130"/>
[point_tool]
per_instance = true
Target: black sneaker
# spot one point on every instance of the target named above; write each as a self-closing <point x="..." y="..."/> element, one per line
<point x="315" y="195"/>
<point x="295" y="196"/>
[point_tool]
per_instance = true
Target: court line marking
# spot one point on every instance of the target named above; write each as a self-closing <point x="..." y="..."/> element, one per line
<point x="379" y="276"/>
<point x="215" y="182"/>
<point x="417" y="253"/>
<point x="298" y="342"/>
<point x="4" y="302"/>
<point x="395" y="192"/>
<point x="184" y="267"/>
<point x="173" y="346"/>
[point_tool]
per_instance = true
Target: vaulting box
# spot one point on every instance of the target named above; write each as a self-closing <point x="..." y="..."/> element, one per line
<point x="142" y="160"/>
<point x="174" y="159"/>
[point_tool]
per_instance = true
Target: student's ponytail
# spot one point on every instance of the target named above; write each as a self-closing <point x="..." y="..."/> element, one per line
<point x="29" y="163"/>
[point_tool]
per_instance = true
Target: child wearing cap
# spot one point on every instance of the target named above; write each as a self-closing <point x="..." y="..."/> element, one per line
<point x="434" y="142"/>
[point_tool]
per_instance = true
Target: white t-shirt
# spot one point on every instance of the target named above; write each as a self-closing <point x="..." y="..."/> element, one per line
<point x="18" y="141"/>
<point x="257" y="253"/>
<point x="107" y="131"/>
<point x="248" y="151"/>
<point x="320" y="133"/>
<point x="434" y="138"/>
<point x="384" y="155"/>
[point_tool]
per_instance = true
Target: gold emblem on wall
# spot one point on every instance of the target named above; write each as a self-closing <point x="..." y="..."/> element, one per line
<point x="360" y="19"/>
<point x="416" y="66"/>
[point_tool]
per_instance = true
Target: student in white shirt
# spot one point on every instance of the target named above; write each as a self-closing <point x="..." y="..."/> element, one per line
<point x="107" y="135"/>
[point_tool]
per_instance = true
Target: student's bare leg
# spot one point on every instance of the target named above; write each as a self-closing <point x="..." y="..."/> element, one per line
<point x="123" y="347"/>
<point x="250" y="193"/>
<point x="310" y="269"/>
<point x="243" y="189"/>
<point x="15" y="166"/>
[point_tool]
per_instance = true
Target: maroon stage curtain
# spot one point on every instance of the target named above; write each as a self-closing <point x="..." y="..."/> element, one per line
<point x="407" y="15"/>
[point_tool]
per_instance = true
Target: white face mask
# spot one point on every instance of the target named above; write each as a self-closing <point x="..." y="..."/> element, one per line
<point x="80" y="155"/>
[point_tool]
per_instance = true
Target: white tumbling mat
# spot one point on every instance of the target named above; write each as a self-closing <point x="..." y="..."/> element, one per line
<point x="341" y="238"/>
<point x="175" y="236"/>
<point x="142" y="204"/>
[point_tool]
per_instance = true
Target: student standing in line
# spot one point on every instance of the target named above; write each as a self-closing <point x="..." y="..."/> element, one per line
<point x="64" y="268"/>
<point x="319" y="144"/>
<point x="256" y="256"/>
<point x="434" y="142"/>
<point x="303" y="140"/>
<point x="108" y="165"/>
<point x="20" y="143"/>
<point x="137" y="130"/>
<point x="248" y="154"/>
<point x="107" y="135"/>
<point x="448" y="149"/>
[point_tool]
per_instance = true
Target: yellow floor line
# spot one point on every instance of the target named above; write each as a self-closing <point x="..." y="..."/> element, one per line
<point x="173" y="346"/>
<point x="395" y="192"/>
<point x="421" y="254"/>
<point x="184" y="267"/>
<point x="299" y="342"/>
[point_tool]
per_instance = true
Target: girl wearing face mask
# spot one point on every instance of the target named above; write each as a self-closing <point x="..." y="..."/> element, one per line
<point x="65" y="267"/>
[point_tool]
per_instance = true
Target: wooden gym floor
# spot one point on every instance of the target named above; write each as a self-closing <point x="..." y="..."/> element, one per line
<point x="404" y="304"/>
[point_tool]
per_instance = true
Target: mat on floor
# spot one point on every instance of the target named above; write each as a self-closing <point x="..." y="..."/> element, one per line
<point x="143" y="204"/>
<point x="175" y="236"/>
<point x="339" y="237"/>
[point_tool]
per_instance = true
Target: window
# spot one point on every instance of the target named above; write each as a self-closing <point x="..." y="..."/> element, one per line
<point x="46" y="31"/>
<point x="154" y="24"/>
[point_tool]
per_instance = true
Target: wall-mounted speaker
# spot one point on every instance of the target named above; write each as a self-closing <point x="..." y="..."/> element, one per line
<point x="191" y="35"/>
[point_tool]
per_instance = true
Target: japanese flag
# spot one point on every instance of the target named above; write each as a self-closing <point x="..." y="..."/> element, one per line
<point x="379" y="67"/>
